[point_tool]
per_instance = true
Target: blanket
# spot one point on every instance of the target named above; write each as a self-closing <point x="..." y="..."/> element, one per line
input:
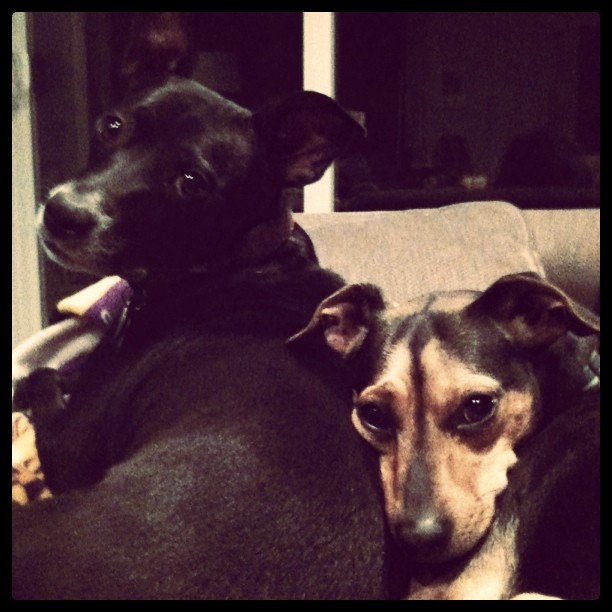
<point x="89" y="316"/>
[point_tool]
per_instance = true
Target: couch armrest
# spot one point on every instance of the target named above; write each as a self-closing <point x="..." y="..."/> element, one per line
<point x="568" y="242"/>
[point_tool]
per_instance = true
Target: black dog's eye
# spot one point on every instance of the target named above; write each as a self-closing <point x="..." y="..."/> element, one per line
<point x="476" y="410"/>
<point x="376" y="418"/>
<point x="110" y="129"/>
<point x="190" y="184"/>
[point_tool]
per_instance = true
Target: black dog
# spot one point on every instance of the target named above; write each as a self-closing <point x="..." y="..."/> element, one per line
<point x="196" y="457"/>
<point x="485" y="413"/>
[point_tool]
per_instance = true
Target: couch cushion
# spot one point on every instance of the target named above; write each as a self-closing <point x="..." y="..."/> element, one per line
<point x="568" y="243"/>
<point x="411" y="252"/>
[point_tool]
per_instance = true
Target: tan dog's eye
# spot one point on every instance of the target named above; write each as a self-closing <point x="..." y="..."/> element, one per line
<point x="376" y="418"/>
<point x="476" y="410"/>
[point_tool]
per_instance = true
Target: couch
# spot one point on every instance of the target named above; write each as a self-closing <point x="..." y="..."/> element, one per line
<point x="466" y="245"/>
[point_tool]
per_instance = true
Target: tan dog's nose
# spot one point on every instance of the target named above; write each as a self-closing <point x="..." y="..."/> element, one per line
<point x="421" y="524"/>
<point x="427" y="533"/>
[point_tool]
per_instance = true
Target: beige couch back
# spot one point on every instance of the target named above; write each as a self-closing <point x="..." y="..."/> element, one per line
<point x="568" y="242"/>
<point x="461" y="246"/>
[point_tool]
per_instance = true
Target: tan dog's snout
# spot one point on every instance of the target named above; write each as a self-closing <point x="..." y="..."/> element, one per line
<point x="420" y="523"/>
<point x="445" y="432"/>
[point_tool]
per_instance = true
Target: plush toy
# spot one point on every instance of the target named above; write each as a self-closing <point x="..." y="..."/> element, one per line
<point x="28" y="479"/>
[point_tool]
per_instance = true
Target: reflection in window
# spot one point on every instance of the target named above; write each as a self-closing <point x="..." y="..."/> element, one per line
<point x="444" y="95"/>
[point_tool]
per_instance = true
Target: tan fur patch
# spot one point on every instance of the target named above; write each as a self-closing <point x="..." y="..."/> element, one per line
<point x="391" y="389"/>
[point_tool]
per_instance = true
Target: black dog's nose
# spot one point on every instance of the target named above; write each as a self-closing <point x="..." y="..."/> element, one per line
<point x="65" y="220"/>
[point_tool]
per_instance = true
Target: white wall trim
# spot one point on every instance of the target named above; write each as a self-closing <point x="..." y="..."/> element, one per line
<point x="319" y="60"/>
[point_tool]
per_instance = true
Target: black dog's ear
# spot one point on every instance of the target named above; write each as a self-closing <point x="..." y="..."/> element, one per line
<point x="344" y="318"/>
<point x="160" y="45"/>
<point x="304" y="133"/>
<point x="533" y="312"/>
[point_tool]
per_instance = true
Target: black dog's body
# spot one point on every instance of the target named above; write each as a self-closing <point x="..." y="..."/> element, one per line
<point x="196" y="458"/>
<point x="236" y="472"/>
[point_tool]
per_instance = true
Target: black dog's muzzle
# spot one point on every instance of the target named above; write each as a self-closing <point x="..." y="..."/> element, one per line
<point x="64" y="220"/>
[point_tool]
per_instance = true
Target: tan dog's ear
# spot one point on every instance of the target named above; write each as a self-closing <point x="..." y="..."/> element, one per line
<point x="532" y="311"/>
<point x="344" y="318"/>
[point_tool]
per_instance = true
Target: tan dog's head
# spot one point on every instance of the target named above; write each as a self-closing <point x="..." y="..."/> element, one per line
<point x="453" y="389"/>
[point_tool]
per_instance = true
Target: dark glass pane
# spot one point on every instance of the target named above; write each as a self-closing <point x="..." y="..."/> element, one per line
<point x="460" y="105"/>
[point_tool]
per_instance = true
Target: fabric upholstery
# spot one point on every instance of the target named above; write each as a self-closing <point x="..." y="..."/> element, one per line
<point x="568" y="242"/>
<point x="409" y="253"/>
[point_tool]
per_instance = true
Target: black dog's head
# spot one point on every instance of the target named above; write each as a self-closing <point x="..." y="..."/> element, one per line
<point x="179" y="176"/>
<point x="456" y="381"/>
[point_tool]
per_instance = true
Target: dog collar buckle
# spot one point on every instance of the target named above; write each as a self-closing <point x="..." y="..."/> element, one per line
<point x="134" y="303"/>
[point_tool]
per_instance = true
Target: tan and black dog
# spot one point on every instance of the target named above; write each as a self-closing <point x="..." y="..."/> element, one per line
<point x="487" y="438"/>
